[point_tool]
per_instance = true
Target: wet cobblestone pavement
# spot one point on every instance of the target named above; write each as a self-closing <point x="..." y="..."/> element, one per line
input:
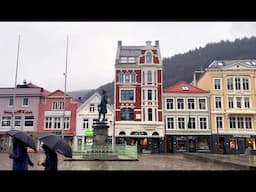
<point x="145" y="162"/>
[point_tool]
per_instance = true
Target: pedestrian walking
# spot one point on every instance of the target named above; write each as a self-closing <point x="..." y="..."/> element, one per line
<point x="51" y="161"/>
<point x="20" y="156"/>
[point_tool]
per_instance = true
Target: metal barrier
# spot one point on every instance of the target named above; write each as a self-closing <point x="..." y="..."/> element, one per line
<point x="105" y="152"/>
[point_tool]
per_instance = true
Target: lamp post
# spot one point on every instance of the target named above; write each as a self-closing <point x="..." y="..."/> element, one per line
<point x="217" y="140"/>
<point x="113" y="134"/>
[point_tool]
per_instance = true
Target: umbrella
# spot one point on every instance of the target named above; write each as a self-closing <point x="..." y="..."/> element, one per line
<point x="23" y="137"/>
<point x="54" y="142"/>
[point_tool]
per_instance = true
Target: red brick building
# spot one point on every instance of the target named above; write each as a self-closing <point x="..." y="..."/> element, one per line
<point x="138" y="93"/>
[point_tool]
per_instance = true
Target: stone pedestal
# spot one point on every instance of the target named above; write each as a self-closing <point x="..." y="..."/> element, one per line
<point x="100" y="129"/>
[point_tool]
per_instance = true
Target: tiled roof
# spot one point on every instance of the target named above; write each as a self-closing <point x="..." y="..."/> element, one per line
<point x="130" y="51"/>
<point x="184" y="87"/>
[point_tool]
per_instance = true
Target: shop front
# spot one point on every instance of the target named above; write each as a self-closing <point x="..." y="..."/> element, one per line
<point x="4" y="143"/>
<point x="188" y="143"/>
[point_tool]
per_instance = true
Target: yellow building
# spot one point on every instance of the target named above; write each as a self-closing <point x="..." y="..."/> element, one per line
<point x="232" y="86"/>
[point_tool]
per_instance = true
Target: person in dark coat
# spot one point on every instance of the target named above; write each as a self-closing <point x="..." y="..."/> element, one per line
<point x="20" y="156"/>
<point x="103" y="105"/>
<point x="51" y="161"/>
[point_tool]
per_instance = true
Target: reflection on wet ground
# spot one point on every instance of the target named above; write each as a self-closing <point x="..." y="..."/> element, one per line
<point x="145" y="162"/>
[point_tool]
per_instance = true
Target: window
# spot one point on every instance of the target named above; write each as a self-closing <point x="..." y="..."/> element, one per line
<point x="61" y="105"/>
<point x="56" y="122"/>
<point x="218" y="102"/>
<point x="169" y="103"/>
<point x="230" y="102"/>
<point x="131" y="60"/>
<point x="237" y="83"/>
<point x="232" y="122"/>
<point x="54" y="105"/>
<point x="149" y="95"/>
<point x="233" y="144"/>
<point x="150" y="114"/>
<point x="48" y="122"/>
<point x="121" y="77"/>
<point x="191" y="123"/>
<point x="245" y="84"/>
<point x="170" y="122"/>
<point x="202" y="104"/>
<point x="29" y="121"/>
<point x="25" y="102"/>
<point x="143" y="94"/>
<point x="181" y="122"/>
<point x="248" y="122"/>
<point x="203" y="123"/>
<point x="240" y="122"/>
<point x="133" y="77"/>
<point x="85" y="123"/>
<point x="219" y="122"/>
<point x="149" y="57"/>
<point x="10" y="102"/>
<point x="230" y="84"/>
<point x="191" y="103"/>
<point x="247" y="102"/>
<point x="127" y="78"/>
<point x="143" y="76"/>
<point x="180" y="104"/>
<point x="127" y="114"/>
<point x="92" y="107"/>
<point x="6" y="121"/>
<point x="217" y="85"/>
<point x="66" y="122"/>
<point x="127" y="95"/>
<point x="149" y="74"/>
<point x="238" y="102"/>
<point x="17" y="122"/>
<point x="123" y="60"/>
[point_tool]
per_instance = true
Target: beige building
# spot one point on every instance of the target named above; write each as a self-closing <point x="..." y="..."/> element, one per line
<point x="232" y="103"/>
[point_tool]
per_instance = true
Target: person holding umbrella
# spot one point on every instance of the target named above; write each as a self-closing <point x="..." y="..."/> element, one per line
<point x="20" y="156"/>
<point x="51" y="161"/>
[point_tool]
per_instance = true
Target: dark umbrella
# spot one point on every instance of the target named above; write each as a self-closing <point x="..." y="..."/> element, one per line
<point x="54" y="142"/>
<point x="23" y="137"/>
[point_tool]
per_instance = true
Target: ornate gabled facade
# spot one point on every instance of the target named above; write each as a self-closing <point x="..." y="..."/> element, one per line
<point x="232" y="84"/>
<point x="138" y="96"/>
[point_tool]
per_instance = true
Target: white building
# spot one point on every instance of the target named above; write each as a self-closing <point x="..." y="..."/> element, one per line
<point x="87" y="114"/>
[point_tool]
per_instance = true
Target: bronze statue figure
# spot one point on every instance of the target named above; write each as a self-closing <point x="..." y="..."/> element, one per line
<point x="102" y="107"/>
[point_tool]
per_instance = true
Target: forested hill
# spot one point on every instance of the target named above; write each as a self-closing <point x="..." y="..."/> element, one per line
<point x="181" y="67"/>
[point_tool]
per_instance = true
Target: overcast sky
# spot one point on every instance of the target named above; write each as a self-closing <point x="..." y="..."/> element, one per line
<point x="93" y="45"/>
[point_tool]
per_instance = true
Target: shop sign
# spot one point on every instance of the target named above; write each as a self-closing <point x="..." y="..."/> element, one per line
<point x="247" y="136"/>
<point x="18" y="112"/>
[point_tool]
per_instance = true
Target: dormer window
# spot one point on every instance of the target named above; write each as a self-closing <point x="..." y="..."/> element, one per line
<point x="185" y="88"/>
<point x="149" y="57"/>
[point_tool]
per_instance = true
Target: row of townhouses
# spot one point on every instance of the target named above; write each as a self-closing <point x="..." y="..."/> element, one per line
<point x="214" y="113"/>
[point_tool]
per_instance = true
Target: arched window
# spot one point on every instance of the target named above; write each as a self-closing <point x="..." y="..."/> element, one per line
<point x="122" y="133"/>
<point x="149" y="77"/>
<point x="149" y="57"/>
<point x="127" y="114"/>
<point x="121" y="77"/>
<point x="127" y="78"/>
<point x="133" y="77"/>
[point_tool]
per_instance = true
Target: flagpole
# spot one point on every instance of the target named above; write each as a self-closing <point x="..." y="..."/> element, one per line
<point x="65" y="89"/>
<point x="14" y="89"/>
<point x="15" y="82"/>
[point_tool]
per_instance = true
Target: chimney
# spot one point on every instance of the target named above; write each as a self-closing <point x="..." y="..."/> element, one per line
<point x="157" y="43"/>
<point x="148" y="43"/>
<point x="119" y="43"/>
